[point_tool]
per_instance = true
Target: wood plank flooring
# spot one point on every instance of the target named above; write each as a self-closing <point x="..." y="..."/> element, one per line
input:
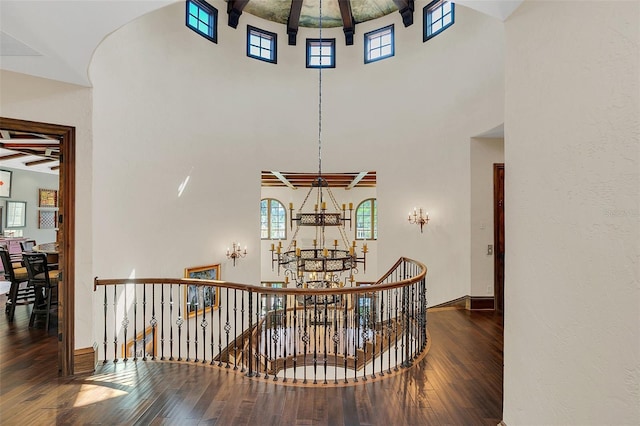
<point x="459" y="382"/>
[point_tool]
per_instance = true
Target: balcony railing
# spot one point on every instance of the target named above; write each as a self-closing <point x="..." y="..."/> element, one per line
<point x="292" y="335"/>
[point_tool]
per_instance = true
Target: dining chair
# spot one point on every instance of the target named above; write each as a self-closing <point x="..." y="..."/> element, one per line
<point x="20" y="292"/>
<point x="45" y="282"/>
<point x="27" y="245"/>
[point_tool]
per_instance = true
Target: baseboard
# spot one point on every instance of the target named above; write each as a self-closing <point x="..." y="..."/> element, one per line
<point x="477" y="303"/>
<point x="472" y="303"/>
<point x="85" y="360"/>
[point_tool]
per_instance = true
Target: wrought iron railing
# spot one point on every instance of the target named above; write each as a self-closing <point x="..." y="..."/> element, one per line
<point x="292" y="335"/>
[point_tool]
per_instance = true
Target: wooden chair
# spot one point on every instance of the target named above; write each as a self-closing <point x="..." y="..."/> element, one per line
<point x="45" y="282"/>
<point x="18" y="295"/>
<point x="27" y="245"/>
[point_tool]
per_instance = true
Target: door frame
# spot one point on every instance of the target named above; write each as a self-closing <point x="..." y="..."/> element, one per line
<point x="498" y="239"/>
<point x="66" y="219"/>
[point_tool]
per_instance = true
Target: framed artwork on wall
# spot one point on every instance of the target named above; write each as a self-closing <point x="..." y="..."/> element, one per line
<point x="47" y="219"/>
<point x="16" y="214"/>
<point x="201" y="299"/>
<point x="47" y="198"/>
<point x="5" y="183"/>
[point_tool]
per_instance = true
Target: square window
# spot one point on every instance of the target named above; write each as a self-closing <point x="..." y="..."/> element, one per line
<point x="321" y="53"/>
<point x="261" y="44"/>
<point x="203" y="19"/>
<point x="437" y="17"/>
<point x="378" y="44"/>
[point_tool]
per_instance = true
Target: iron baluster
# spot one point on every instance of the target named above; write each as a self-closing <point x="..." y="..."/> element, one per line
<point x="153" y="322"/>
<point x="105" y="325"/>
<point x="235" y="332"/>
<point x="115" y="324"/>
<point x="162" y="322"/>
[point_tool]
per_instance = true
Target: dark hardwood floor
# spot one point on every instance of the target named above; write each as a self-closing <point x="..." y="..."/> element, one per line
<point x="459" y="382"/>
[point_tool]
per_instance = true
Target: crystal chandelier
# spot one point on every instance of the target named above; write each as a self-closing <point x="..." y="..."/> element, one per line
<point x="329" y="262"/>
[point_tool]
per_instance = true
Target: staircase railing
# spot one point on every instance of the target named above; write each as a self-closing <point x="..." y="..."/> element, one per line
<point x="313" y="336"/>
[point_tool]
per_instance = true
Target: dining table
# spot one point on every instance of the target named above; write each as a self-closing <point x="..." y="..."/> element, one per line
<point x="50" y="249"/>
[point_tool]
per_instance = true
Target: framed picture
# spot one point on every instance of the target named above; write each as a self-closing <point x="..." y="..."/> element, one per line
<point x="16" y="214"/>
<point x="47" y="219"/>
<point x="47" y="198"/>
<point x="201" y="299"/>
<point x="5" y="183"/>
<point x="145" y="343"/>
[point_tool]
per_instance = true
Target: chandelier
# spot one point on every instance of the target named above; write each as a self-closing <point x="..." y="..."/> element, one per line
<point x="328" y="262"/>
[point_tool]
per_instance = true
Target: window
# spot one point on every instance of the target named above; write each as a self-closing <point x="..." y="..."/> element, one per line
<point x="321" y="53"/>
<point x="203" y="19"/>
<point x="378" y="44"/>
<point x="261" y="44"/>
<point x="367" y="220"/>
<point x="273" y="218"/>
<point x="438" y="16"/>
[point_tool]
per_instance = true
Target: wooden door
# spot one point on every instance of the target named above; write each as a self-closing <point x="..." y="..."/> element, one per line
<point x="499" y="248"/>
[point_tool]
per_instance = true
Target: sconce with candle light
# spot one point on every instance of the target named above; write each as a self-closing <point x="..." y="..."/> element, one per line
<point x="419" y="218"/>
<point x="236" y="252"/>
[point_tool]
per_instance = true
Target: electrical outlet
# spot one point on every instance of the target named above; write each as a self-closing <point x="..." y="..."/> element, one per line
<point x="489" y="250"/>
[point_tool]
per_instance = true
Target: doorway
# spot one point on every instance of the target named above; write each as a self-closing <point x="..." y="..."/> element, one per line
<point x="66" y="232"/>
<point x="498" y="254"/>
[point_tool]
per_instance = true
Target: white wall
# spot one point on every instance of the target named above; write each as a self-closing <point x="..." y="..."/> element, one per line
<point x="572" y="290"/>
<point x="24" y="187"/>
<point x="37" y="99"/>
<point x="485" y="152"/>
<point x="170" y="104"/>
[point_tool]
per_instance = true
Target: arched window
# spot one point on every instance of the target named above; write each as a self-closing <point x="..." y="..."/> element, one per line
<point x="273" y="219"/>
<point x="367" y="220"/>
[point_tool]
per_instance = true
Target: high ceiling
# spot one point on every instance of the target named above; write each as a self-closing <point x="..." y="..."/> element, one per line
<point x="56" y="39"/>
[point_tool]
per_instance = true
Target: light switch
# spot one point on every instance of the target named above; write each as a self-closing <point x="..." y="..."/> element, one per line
<point x="489" y="250"/>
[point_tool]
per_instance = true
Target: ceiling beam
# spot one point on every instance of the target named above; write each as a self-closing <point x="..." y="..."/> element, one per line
<point x="356" y="179"/>
<point x="347" y="21"/>
<point x="405" y="8"/>
<point x="234" y="9"/>
<point x="294" y="21"/>
<point x="18" y="146"/>
<point x="283" y="179"/>
<point x="12" y="156"/>
<point x="36" y="162"/>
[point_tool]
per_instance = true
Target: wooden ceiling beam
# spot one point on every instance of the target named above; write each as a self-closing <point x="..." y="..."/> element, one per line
<point x="405" y="8"/>
<point x="36" y="162"/>
<point x="294" y="21"/>
<point x="234" y="9"/>
<point x="12" y="156"/>
<point x="347" y="21"/>
<point x="357" y="179"/>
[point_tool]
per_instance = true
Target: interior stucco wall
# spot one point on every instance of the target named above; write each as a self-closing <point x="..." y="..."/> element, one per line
<point x="572" y="215"/>
<point x="37" y="99"/>
<point x="169" y="104"/>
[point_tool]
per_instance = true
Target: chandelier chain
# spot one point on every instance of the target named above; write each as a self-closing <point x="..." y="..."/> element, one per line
<point x="320" y="98"/>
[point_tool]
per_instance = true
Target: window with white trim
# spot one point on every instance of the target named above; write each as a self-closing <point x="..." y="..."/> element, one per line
<point x="273" y="219"/>
<point x="367" y="220"/>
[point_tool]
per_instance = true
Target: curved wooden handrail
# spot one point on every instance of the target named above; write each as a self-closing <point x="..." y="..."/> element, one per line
<point x="378" y="286"/>
<point x="311" y="332"/>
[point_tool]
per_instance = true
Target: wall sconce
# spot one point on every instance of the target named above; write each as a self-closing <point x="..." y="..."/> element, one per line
<point x="236" y="252"/>
<point x="419" y="218"/>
